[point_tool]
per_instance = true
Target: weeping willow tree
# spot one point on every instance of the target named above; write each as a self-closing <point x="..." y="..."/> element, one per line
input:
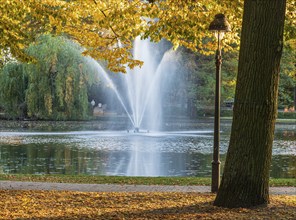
<point x="13" y="83"/>
<point x="57" y="81"/>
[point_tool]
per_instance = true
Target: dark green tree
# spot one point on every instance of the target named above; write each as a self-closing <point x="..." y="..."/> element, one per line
<point x="287" y="87"/>
<point x="197" y="71"/>
<point x="13" y="83"/>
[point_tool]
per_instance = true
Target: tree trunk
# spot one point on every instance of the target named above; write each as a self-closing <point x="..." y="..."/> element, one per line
<point x="245" y="181"/>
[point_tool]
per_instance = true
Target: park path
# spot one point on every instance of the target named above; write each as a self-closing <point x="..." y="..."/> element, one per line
<point x="17" y="185"/>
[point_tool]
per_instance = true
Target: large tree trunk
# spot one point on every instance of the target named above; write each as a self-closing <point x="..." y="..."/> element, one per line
<point x="245" y="180"/>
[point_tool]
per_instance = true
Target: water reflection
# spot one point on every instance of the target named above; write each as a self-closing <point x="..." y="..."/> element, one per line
<point x="187" y="153"/>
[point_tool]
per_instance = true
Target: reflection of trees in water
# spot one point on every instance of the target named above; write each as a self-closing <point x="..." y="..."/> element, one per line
<point x="62" y="159"/>
<point x="286" y="135"/>
<point x="283" y="166"/>
<point x="50" y="159"/>
<point x="199" y="164"/>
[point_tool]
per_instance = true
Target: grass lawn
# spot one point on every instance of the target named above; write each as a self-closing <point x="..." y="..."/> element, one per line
<point x="59" y="205"/>
<point x="127" y="180"/>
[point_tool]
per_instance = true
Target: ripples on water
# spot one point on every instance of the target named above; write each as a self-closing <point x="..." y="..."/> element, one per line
<point x="189" y="141"/>
<point x="182" y="153"/>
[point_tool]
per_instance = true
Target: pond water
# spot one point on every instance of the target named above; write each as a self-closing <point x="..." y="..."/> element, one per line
<point x="171" y="153"/>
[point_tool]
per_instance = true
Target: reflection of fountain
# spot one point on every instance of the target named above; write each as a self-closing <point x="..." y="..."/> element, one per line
<point x="143" y="162"/>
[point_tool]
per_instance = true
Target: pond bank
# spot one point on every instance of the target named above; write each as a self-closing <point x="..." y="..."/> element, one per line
<point x="116" y="123"/>
<point x="100" y="123"/>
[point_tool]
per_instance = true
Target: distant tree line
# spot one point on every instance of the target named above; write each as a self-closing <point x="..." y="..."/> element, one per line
<point x="61" y="83"/>
<point x="55" y="86"/>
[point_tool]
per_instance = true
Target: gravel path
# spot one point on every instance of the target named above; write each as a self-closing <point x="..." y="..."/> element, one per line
<point x="16" y="185"/>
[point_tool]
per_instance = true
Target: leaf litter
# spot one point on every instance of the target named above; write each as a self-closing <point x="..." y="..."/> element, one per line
<point x="59" y="205"/>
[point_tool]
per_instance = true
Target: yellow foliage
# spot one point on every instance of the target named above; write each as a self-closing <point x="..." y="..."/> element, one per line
<point x="106" y="29"/>
<point x="94" y="205"/>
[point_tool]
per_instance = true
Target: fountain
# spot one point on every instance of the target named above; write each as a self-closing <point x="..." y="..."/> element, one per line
<point x="141" y="96"/>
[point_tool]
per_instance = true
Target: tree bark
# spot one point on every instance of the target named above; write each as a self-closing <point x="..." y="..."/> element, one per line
<point x="245" y="181"/>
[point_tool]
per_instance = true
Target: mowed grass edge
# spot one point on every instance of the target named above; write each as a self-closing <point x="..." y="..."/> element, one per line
<point x="181" y="181"/>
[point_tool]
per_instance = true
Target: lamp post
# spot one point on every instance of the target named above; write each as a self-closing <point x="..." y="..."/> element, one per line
<point x="219" y="26"/>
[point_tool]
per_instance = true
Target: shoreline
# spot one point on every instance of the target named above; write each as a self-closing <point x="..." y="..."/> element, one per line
<point x="116" y="123"/>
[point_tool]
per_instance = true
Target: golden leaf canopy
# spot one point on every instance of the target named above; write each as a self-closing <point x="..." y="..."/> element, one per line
<point x="106" y="29"/>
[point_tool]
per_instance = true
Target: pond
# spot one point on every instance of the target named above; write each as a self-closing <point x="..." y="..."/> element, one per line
<point x="167" y="153"/>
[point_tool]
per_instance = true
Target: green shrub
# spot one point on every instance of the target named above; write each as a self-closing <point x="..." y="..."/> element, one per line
<point x="287" y="115"/>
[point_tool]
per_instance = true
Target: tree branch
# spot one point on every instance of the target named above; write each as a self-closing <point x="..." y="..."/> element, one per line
<point x="116" y="35"/>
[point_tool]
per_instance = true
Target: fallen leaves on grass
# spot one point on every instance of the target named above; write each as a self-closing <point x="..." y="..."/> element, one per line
<point x="60" y="205"/>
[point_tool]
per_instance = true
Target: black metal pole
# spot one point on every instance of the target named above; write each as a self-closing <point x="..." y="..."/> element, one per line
<point x="295" y="96"/>
<point x="216" y="157"/>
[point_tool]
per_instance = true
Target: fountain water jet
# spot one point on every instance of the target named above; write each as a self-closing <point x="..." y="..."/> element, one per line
<point x="141" y="97"/>
<point x="110" y="82"/>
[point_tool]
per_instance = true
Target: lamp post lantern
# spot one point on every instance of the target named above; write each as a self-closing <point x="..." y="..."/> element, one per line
<point x="219" y="26"/>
